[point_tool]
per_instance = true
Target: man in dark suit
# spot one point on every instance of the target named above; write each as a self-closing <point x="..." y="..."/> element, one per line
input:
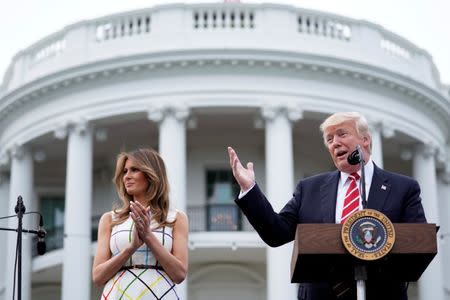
<point x="320" y="199"/>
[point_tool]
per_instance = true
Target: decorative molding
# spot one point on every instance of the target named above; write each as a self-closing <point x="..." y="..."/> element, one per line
<point x="292" y="112"/>
<point x="387" y="131"/>
<point x="382" y="127"/>
<point x="375" y="125"/>
<point x="80" y="127"/>
<point x="427" y="149"/>
<point x="17" y="151"/>
<point x="34" y="90"/>
<point x="60" y="132"/>
<point x="159" y="113"/>
<point x="15" y="100"/>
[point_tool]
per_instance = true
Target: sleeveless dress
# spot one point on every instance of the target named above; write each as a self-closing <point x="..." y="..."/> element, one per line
<point x="139" y="283"/>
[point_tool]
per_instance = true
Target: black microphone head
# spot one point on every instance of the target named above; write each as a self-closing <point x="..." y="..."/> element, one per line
<point x="41" y="247"/>
<point x="19" y="206"/>
<point x="354" y="158"/>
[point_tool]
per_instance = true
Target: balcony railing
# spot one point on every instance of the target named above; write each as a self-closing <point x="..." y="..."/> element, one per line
<point x="211" y="217"/>
<point x="218" y="26"/>
<point x="217" y="217"/>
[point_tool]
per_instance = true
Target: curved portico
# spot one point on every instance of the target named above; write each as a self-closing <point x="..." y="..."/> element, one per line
<point x="195" y="87"/>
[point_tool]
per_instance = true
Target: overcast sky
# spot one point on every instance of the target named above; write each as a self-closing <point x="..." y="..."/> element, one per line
<point x="425" y="23"/>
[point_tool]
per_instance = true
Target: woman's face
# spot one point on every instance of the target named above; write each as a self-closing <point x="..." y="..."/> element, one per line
<point x="134" y="180"/>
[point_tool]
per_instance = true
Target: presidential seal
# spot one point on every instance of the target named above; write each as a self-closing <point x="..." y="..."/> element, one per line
<point x="368" y="234"/>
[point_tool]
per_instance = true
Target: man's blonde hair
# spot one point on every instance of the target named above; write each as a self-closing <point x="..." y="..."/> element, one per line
<point x="360" y="122"/>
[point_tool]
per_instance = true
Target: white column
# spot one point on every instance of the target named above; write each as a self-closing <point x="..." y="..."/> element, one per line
<point x="379" y="130"/>
<point x="76" y="277"/>
<point x="4" y="210"/>
<point x="424" y="170"/>
<point x="279" y="188"/>
<point x="377" y="146"/>
<point x="172" y="148"/>
<point x="21" y="183"/>
<point x="444" y="232"/>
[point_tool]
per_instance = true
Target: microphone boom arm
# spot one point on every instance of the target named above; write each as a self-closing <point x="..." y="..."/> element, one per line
<point x="362" y="183"/>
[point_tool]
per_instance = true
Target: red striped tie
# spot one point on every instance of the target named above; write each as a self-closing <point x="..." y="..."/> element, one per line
<point x="351" y="200"/>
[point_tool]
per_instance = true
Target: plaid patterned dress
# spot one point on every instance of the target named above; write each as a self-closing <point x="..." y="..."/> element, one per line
<point x="139" y="283"/>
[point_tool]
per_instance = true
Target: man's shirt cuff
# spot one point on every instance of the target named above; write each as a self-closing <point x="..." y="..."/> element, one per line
<point x="243" y="193"/>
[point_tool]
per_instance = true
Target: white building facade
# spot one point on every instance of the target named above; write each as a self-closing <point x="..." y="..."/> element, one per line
<point x="190" y="80"/>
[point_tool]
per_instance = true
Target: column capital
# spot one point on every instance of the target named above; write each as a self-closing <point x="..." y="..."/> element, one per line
<point x="292" y="112"/>
<point x="387" y="131"/>
<point x="427" y="149"/>
<point x="79" y="126"/>
<point x="17" y="151"/>
<point x="158" y="113"/>
<point x="60" y="132"/>
<point x="382" y="127"/>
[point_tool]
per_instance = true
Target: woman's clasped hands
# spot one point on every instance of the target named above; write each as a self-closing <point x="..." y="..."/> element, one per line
<point x="142" y="218"/>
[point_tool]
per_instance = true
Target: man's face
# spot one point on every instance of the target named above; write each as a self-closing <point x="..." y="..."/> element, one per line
<point x="341" y="140"/>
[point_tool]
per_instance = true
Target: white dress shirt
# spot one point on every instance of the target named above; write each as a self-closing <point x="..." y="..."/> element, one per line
<point x="343" y="186"/>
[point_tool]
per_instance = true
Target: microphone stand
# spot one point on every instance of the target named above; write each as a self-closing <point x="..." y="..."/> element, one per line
<point x="360" y="268"/>
<point x="20" y="211"/>
<point x="362" y="183"/>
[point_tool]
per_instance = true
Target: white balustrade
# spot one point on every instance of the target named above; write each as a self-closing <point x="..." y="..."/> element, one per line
<point x="218" y="26"/>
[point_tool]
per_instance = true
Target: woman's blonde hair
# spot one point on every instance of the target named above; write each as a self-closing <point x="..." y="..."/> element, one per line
<point x="152" y="165"/>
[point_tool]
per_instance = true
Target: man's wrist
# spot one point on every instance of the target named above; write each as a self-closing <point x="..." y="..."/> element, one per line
<point x="244" y="192"/>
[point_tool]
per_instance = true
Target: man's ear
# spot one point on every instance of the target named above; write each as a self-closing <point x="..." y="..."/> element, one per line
<point x="367" y="139"/>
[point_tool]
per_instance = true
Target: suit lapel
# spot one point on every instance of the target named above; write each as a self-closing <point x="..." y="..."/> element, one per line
<point x="328" y="192"/>
<point x="379" y="190"/>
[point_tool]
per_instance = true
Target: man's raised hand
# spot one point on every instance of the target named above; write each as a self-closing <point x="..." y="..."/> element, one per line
<point x="245" y="177"/>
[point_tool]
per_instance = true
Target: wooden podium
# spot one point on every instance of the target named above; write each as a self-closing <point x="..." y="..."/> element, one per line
<point x="320" y="256"/>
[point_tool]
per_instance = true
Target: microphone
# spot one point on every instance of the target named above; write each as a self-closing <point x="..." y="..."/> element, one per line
<point x="41" y="247"/>
<point x="356" y="156"/>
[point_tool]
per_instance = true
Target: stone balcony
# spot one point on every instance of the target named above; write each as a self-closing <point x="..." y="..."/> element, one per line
<point x="180" y="33"/>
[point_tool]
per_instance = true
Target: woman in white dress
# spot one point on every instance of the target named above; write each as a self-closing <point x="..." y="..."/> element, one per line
<point x="142" y="245"/>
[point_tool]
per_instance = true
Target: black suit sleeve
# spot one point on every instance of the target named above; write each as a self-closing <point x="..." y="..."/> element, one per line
<point x="273" y="228"/>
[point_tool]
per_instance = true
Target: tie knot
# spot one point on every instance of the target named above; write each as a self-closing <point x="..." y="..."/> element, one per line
<point x="354" y="176"/>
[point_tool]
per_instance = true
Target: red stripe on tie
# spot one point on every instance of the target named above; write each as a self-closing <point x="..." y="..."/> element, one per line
<point x="351" y="200"/>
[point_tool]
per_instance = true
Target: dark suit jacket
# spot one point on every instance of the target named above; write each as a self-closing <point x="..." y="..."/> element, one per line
<point x="314" y="201"/>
